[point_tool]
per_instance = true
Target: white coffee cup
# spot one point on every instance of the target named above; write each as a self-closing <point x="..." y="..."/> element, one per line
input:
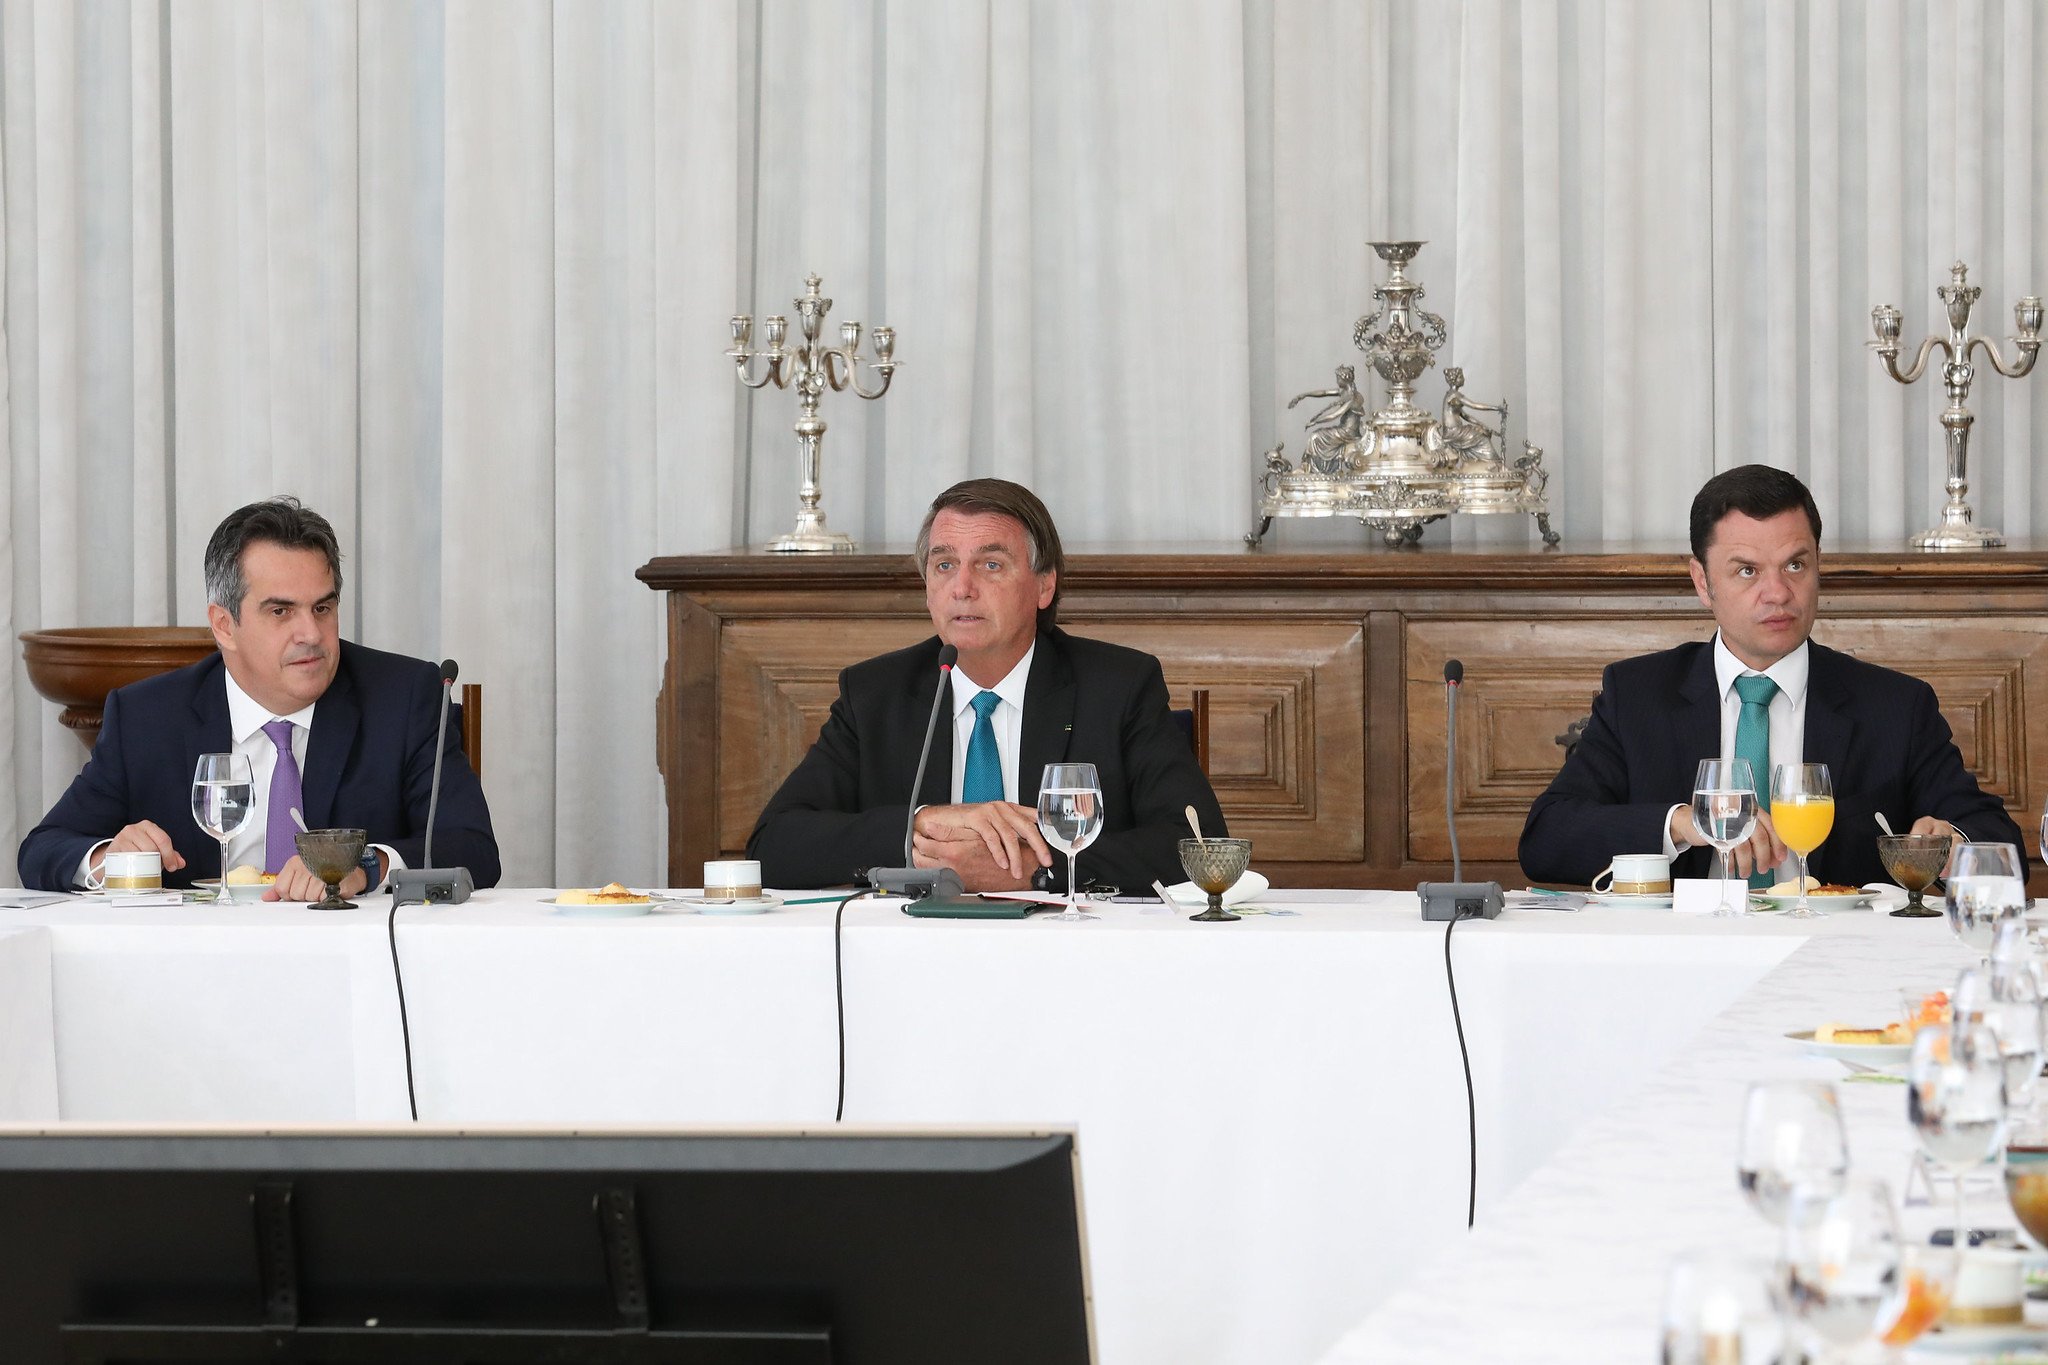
<point x="1635" y="874"/>
<point x="734" y="879"/>
<point x="129" y="870"/>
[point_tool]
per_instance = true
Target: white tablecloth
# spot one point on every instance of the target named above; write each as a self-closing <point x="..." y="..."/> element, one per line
<point x="28" y="1043"/>
<point x="1570" y="1266"/>
<point x="1271" y="1112"/>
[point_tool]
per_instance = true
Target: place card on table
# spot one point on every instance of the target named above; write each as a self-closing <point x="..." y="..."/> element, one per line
<point x="1702" y="895"/>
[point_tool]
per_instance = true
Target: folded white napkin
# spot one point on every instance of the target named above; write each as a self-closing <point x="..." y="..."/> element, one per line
<point x="1889" y="897"/>
<point x="1241" y="890"/>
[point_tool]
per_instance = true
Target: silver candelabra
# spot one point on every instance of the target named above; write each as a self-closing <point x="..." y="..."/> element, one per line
<point x="811" y="367"/>
<point x="1401" y="467"/>
<point x="1954" y="532"/>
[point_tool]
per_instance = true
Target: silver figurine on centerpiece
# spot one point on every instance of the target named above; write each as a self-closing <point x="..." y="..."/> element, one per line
<point x="1402" y="467"/>
<point x="1954" y="532"/>
<point x="811" y="368"/>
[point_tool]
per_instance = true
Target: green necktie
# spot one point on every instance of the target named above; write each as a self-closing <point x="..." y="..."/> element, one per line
<point x="1753" y="742"/>
<point x="982" y="780"/>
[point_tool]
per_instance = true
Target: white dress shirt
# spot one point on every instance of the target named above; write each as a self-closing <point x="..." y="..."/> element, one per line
<point x="1007" y="720"/>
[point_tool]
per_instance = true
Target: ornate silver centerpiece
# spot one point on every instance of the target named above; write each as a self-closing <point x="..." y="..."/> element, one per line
<point x="1955" y="531"/>
<point x="811" y="367"/>
<point x="1402" y="467"/>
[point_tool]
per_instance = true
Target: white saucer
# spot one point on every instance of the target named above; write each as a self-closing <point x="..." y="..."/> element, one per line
<point x="1977" y="1342"/>
<point x="1763" y="901"/>
<point x="1648" y="900"/>
<point x="759" y="905"/>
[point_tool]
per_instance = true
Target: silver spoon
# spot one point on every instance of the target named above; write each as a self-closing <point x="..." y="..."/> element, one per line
<point x="299" y="820"/>
<point x="1194" y="823"/>
<point x="1884" y="824"/>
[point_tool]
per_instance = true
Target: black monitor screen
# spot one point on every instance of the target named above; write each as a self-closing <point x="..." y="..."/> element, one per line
<point x="435" y="1248"/>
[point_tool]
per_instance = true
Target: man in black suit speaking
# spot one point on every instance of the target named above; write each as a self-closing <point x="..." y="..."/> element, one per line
<point x="1627" y="786"/>
<point x="1024" y="694"/>
<point x="343" y="733"/>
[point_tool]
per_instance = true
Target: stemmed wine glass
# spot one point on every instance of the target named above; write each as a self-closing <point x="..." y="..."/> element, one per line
<point x="1982" y="885"/>
<point x="1802" y="812"/>
<point x="2005" y="997"/>
<point x="1070" y="816"/>
<point x="1955" y="1099"/>
<point x="1843" y="1261"/>
<point x="223" y="791"/>
<point x="1794" y="1154"/>
<point x="1718" y="1307"/>
<point x="1724" y="813"/>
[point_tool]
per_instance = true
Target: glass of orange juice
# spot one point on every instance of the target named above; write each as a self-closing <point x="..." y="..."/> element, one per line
<point x="1802" y="812"/>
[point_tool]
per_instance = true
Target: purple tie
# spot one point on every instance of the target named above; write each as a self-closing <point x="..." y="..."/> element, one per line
<point x="280" y="834"/>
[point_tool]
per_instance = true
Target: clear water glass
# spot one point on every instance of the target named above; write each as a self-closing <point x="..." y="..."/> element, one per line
<point x="1724" y="814"/>
<point x="1955" y="1098"/>
<point x="1070" y="816"/>
<point x="1843" y="1263"/>
<point x="223" y="793"/>
<point x="1982" y="883"/>
<point x="1793" y="1146"/>
<point x="1719" y="1309"/>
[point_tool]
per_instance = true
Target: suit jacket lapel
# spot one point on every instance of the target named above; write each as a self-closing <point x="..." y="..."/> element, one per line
<point x="211" y="729"/>
<point x="1829" y="729"/>
<point x="335" y="722"/>
<point x="1696" y="729"/>
<point x="1048" y="716"/>
<point x="937" y="788"/>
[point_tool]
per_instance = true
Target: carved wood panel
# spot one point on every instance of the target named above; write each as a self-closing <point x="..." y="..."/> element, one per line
<point x="1286" y="716"/>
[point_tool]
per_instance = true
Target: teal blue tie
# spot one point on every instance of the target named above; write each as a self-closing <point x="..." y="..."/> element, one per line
<point x="983" y="778"/>
<point x="1753" y="742"/>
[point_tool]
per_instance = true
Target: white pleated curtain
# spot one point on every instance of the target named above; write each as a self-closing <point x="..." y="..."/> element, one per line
<point x="458" y="275"/>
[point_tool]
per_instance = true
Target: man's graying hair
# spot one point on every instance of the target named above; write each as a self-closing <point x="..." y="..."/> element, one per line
<point x="1013" y="500"/>
<point x="281" y="521"/>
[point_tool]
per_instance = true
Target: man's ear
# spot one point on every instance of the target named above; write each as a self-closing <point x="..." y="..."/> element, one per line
<point x="1699" y="583"/>
<point x="1047" y="582"/>
<point x="223" y="625"/>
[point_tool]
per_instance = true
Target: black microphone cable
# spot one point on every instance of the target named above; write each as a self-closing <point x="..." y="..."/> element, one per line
<point x="449" y="669"/>
<point x="404" y="1025"/>
<point x="1471" y="1103"/>
<point x="839" y="995"/>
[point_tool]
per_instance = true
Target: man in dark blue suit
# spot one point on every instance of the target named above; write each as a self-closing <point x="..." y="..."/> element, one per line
<point x="1627" y="785"/>
<point x="344" y="733"/>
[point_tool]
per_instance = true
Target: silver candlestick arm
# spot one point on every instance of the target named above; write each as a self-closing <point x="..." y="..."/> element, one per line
<point x="1958" y="297"/>
<point x="812" y="368"/>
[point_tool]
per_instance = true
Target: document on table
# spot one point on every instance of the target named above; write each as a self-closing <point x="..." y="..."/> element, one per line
<point x="14" y="898"/>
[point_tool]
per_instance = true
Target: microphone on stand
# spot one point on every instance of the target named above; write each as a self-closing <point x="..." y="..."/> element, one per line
<point x="1457" y="898"/>
<point x="921" y="882"/>
<point x="432" y="885"/>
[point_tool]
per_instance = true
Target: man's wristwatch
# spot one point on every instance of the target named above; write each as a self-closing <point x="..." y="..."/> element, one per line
<point x="373" y="869"/>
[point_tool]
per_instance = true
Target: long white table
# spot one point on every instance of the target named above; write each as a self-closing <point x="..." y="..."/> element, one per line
<point x="1271" y="1113"/>
<point x="28" y="1039"/>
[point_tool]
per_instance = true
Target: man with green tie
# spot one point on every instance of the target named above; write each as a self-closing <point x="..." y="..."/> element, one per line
<point x="1760" y="690"/>
<point x="1023" y="694"/>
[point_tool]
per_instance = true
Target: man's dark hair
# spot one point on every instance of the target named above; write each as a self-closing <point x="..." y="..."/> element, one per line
<point x="1014" y="500"/>
<point x="281" y="521"/>
<point x="1755" y="490"/>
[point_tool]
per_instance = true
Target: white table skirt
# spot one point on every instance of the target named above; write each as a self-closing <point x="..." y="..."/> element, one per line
<point x="1271" y="1113"/>
<point x="28" y="1042"/>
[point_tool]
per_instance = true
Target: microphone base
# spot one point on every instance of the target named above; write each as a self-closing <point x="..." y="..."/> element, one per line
<point x="431" y="886"/>
<point x="919" y="883"/>
<point x="1446" y="901"/>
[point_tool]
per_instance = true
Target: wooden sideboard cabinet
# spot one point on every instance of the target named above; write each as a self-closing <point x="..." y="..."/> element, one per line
<point x="1325" y="676"/>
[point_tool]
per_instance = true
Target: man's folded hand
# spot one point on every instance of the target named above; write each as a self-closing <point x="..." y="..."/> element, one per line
<point x="1004" y="833"/>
